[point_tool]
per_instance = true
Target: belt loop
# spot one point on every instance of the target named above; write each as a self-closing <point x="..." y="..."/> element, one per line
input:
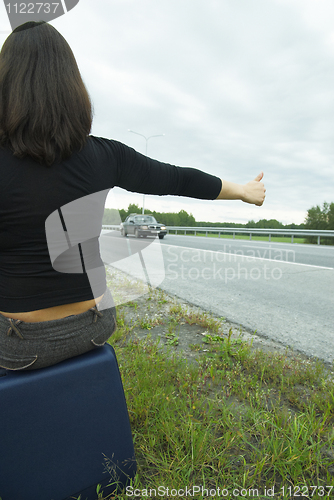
<point x="96" y="313"/>
<point x="14" y="328"/>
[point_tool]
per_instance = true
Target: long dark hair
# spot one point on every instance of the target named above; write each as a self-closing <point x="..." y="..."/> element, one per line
<point x="45" y="109"/>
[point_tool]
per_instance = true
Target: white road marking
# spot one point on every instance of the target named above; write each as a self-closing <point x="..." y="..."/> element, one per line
<point x="293" y="245"/>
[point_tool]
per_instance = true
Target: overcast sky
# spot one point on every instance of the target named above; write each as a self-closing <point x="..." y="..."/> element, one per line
<point x="236" y="86"/>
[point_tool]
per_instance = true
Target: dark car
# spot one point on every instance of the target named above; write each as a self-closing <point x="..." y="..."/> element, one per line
<point x="142" y="225"/>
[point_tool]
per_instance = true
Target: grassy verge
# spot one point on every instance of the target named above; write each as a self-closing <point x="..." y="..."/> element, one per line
<point x="274" y="239"/>
<point x="219" y="414"/>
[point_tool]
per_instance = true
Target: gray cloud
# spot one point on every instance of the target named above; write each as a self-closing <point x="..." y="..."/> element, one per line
<point x="236" y="86"/>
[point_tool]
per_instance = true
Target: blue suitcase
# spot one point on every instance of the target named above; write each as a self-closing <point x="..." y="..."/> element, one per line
<point x="65" y="429"/>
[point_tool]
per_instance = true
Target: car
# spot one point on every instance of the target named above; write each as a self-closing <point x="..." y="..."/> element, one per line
<point x="142" y="225"/>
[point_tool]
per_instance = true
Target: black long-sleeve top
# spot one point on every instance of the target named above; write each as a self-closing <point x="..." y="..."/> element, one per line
<point x="30" y="193"/>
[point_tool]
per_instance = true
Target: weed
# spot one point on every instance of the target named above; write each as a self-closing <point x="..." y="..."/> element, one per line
<point x="195" y="347"/>
<point x="172" y="339"/>
<point x="211" y="339"/>
<point x="132" y="304"/>
<point x="145" y="324"/>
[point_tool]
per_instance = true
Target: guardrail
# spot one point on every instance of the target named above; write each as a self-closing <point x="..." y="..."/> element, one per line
<point x="250" y="231"/>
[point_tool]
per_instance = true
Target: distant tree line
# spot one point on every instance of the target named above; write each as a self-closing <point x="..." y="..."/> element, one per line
<point x="181" y="218"/>
<point x="320" y="218"/>
<point x="316" y="218"/>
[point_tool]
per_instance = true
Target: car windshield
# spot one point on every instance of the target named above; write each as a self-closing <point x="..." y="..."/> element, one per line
<point x="145" y="220"/>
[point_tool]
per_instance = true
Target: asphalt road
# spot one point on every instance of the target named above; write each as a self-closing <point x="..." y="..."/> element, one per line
<point x="284" y="292"/>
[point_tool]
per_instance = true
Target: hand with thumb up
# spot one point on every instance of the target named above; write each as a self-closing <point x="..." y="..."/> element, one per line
<point x="254" y="191"/>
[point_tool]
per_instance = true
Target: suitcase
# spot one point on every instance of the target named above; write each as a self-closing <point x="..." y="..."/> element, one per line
<point x="65" y="429"/>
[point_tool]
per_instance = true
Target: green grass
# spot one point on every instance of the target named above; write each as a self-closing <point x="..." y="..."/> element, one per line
<point x="274" y="239"/>
<point x="236" y="418"/>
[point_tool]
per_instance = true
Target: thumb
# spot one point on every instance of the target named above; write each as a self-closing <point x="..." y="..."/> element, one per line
<point x="259" y="177"/>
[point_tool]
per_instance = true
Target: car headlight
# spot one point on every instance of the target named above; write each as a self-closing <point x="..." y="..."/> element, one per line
<point x="163" y="227"/>
<point x="144" y="227"/>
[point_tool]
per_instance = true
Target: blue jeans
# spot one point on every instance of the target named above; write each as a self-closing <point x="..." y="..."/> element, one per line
<point x="29" y="346"/>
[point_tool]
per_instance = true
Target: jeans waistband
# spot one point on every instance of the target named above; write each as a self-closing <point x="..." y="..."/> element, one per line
<point x="18" y="327"/>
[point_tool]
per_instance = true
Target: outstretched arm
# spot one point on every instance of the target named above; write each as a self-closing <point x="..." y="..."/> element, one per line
<point x="140" y="174"/>
<point x="252" y="192"/>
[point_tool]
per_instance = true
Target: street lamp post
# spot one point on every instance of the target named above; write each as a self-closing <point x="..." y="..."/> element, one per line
<point x="146" y="139"/>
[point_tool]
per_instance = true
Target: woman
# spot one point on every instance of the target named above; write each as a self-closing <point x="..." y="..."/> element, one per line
<point x="48" y="161"/>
